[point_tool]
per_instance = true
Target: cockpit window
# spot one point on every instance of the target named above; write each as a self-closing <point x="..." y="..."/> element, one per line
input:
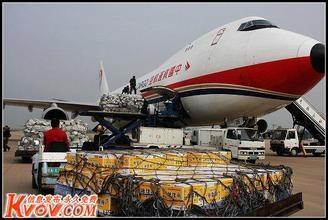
<point x="256" y="24"/>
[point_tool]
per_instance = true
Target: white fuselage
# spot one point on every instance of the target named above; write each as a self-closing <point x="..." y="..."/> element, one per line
<point x="226" y="74"/>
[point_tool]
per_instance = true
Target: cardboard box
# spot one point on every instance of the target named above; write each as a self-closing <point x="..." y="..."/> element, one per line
<point x="276" y="176"/>
<point x="145" y="191"/>
<point x="207" y="158"/>
<point x="142" y="163"/>
<point x="181" y="195"/>
<point x="71" y="157"/>
<point x="106" y="205"/>
<point x="175" y="158"/>
<point x="102" y="164"/>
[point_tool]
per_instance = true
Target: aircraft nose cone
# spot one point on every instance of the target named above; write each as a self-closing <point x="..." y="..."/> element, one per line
<point x="317" y="56"/>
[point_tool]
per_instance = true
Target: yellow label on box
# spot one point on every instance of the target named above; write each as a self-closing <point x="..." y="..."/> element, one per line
<point x="147" y="163"/>
<point x="206" y="158"/>
<point x="276" y="176"/>
<point x="103" y="161"/>
<point x="106" y="204"/>
<point x="145" y="191"/>
<point x="70" y="157"/>
<point x="182" y="195"/>
<point x="175" y="159"/>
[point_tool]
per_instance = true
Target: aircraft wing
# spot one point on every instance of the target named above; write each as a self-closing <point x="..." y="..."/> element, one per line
<point x="65" y="105"/>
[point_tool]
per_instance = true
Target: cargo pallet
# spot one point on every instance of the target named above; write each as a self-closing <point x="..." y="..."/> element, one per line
<point x="284" y="207"/>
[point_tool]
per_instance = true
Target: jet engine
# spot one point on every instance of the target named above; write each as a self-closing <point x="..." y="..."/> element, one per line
<point x="54" y="112"/>
<point x="252" y="122"/>
<point x="262" y="125"/>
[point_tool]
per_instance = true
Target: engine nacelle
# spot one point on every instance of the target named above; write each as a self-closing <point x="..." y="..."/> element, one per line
<point x="262" y="125"/>
<point x="151" y="109"/>
<point x="54" y="112"/>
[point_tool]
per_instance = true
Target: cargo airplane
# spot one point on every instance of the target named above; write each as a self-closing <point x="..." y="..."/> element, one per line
<point x="245" y="69"/>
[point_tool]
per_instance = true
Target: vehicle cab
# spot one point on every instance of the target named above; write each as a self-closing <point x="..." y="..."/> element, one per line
<point x="244" y="143"/>
<point x="284" y="140"/>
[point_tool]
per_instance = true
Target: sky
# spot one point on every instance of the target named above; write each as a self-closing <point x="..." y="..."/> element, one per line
<point x="53" y="50"/>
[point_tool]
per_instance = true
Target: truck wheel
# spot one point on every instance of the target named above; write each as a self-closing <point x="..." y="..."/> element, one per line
<point x="316" y="154"/>
<point x="252" y="161"/>
<point x="34" y="185"/>
<point x="280" y="152"/>
<point x="40" y="179"/>
<point x="26" y="159"/>
<point x="294" y="152"/>
<point x="153" y="147"/>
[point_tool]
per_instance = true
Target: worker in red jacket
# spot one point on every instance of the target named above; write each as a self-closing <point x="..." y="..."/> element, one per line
<point x="54" y="135"/>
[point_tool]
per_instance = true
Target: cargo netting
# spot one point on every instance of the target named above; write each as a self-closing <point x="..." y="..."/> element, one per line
<point x="173" y="182"/>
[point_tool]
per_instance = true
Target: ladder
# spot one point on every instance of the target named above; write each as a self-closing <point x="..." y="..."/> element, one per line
<point x="306" y="115"/>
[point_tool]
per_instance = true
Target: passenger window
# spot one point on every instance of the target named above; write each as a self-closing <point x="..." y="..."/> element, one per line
<point x="291" y="135"/>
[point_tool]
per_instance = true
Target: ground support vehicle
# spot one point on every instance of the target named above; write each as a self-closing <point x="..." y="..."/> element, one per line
<point x="286" y="141"/>
<point x="45" y="169"/>
<point x="243" y="143"/>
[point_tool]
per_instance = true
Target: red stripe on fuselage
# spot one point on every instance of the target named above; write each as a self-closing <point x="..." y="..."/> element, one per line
<point x="293" y="76"/>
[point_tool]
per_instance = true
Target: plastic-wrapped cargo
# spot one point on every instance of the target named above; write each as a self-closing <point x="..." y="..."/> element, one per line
<point x="75" y="129"/>
<point x="121" y="103"/>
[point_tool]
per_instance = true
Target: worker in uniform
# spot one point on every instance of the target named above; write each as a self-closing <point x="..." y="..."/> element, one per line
<point x="133" y="85"/>
<point x="55" y="136"/>
<point x="6" y="135"/>
<point x="126" y="90"/>
<point x="100" y="136"/>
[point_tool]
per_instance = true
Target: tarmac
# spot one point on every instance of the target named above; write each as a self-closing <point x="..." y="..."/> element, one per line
<point x="308" y="177"/>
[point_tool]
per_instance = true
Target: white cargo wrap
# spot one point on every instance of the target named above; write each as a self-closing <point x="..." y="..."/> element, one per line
<point x="76" y="131"/>
<point x="121" y="103"/>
